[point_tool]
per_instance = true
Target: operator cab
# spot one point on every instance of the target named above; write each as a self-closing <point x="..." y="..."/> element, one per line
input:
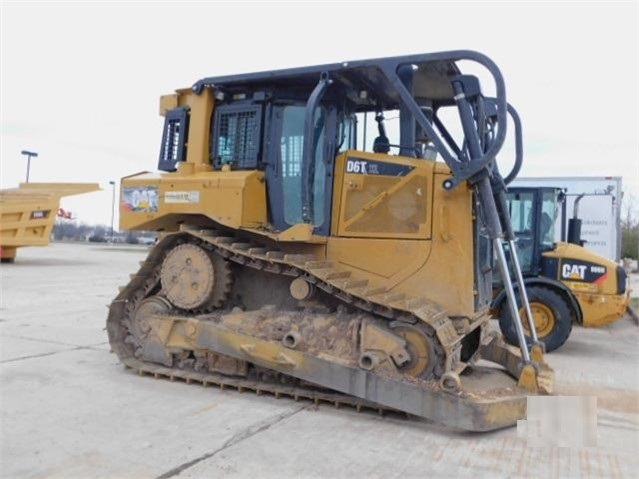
<point x="533" y="214"/>
<point x="292" y="124"/>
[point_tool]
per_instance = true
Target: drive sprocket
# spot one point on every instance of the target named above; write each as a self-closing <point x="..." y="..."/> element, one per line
<point x="194" y="278"/>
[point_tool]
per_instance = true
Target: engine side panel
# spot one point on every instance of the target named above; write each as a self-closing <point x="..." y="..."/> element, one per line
<point x="236" y="199"/>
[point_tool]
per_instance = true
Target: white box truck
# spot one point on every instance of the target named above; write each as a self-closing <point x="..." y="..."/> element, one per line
<point x="598" y="208"/>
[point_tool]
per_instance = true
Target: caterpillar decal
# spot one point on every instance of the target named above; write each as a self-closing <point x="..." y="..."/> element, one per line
<point x="583" y="271"/>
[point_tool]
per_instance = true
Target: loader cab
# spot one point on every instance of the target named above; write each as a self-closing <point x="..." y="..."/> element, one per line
<point x="533" y="214"/>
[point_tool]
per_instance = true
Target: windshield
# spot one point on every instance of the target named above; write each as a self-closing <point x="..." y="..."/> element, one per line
<point x="522" y="214"/>
<point x="547" y="221"/>
<point x="346" y="133"/>
<point x="291" y="149"/>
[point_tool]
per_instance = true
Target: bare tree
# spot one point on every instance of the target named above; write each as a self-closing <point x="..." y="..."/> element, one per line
<point x="629" y="227"/>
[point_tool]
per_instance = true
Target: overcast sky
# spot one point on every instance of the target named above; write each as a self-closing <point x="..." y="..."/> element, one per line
<point x="80" y="83"/>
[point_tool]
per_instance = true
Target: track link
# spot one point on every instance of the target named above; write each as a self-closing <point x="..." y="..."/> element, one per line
<point x="258" y="387"/>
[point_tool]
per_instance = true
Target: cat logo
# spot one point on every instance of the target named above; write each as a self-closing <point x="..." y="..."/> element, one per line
<point x="583" y="271"/>
<point x="573" y="271"/>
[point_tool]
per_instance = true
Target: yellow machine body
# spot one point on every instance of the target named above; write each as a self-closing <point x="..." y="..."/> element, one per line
<point x="28" y="213"/>
<point x="289" y="255"/>
<point x="386" y="218"/>
<point x="600" y="301"/>
<point x="566" y="283"/>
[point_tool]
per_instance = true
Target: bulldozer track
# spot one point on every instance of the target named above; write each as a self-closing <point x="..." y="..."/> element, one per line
<point x="322" y="274"/>
<point x="241" y="385"/>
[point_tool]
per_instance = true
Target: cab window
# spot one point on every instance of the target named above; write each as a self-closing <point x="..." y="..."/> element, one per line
<point x="291" y="150"/>
<point x="522" y="212"/>
<point x="547" y="221"/>
<point x="522" y="218"/>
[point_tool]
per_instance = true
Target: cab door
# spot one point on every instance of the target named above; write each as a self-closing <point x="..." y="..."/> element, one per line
<point x="284" y="171"/>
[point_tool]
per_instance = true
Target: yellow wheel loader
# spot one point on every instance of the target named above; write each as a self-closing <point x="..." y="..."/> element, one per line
<point x="295" y="260"/>
<point x="565" y="282"/>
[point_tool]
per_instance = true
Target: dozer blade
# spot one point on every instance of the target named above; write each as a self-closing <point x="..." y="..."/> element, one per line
<point x="487" y="398"/>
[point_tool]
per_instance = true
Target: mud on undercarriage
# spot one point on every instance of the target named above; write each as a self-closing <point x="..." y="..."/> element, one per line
<point x="179" y="317"/>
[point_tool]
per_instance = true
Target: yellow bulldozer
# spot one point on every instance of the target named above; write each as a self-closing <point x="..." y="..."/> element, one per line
<point x="297" y="258"/>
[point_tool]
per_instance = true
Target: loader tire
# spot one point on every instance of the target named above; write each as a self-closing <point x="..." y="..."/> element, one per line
<point x="551" y="314"/>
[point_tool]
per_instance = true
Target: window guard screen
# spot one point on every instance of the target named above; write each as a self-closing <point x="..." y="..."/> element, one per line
<point x="237" y="136"/>
<point x="173" y="148"/>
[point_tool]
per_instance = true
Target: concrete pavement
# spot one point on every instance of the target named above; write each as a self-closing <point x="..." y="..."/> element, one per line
<point x="70" y="410"/>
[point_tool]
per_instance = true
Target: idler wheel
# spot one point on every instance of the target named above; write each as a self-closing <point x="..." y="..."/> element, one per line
<point x="424" y="363"/>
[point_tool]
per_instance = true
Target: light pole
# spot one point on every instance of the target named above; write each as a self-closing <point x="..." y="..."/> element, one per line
<point x="29" y="154"/>
<point x="112" y="183"/>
